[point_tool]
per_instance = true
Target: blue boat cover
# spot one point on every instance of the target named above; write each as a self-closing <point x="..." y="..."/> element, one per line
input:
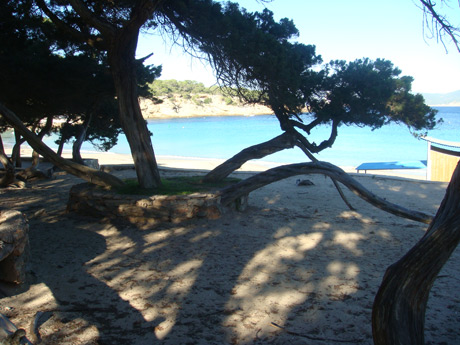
<point x="392" y="165"/>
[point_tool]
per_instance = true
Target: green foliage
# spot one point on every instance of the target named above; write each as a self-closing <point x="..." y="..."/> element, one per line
<point x="45" y="74"/>
<point x="257" y="59"/>
<point x="183" y="88"/>
<point x="183" y="185"/>
<point x="228" y="100"/>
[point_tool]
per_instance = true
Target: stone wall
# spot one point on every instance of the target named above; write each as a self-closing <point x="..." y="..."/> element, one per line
<point x="143" y="211"/>
<point x="14" y="246"/>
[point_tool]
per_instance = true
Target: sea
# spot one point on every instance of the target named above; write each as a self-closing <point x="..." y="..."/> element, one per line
<point x="224" y="136"/>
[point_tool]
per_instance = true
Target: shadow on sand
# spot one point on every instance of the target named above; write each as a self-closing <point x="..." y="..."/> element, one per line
<point x="296" y="260"/>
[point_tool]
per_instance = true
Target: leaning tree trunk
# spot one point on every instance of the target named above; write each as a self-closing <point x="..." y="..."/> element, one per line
<point x="35" y="155"/>
<point x="123" y="63"/>
<point x="398" y="314"/>
<point x="281" y="142"/>
<point x="84" y="172"/>
<point x="235" y="191"/>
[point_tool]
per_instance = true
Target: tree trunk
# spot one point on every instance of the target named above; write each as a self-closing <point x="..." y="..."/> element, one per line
<point x="35" y="155"/>
<point x="8" y="165"/>
<point x="398" y="314"/>
<point x="84" y="172"/>
<point x="281" y="142"/>
<point x="233" y="192"/>
<point x="76" y="147"/>
<point x="16" y="151"/>
<point x="122" y="61"/>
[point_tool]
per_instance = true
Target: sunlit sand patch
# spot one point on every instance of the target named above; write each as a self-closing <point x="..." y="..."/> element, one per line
<point x="157" y="236"/>
<point x="204" y="235"/>
<point x="342" y="281"/>
<point x="40" y="296"/>
<point x="345" y="270"/>
<point x="273" y="200"/>
<point x="384" y="234"/>
<point x="321" y="226"/>
<point x="283" y="231"/>
<point x="356" y="215"/>
<point x="349" y="240"/>
<point x="184" y="276"/>
<point x="163" y="329"/>
<point x="265" y="291"/>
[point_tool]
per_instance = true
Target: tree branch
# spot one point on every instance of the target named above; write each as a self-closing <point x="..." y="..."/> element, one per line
<point x="246" y="186"/>
<point x="92" y="40"/>
<point x="441" y="24"/>
<point x="91" y="175"/>
<point x="102" y="26"/>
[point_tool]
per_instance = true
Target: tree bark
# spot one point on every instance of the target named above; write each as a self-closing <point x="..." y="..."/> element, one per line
<point x="233" y="192"/>
<point x="76" y="147"/>
<point x="35" y="155"/>
<point x="16" y="152"/>
<point x="122" y="61"/>
<point x="8" y="165"/>
<point x="91" y="175"/>
<point x="398" y="314"/>
<point x="281" y="142"/>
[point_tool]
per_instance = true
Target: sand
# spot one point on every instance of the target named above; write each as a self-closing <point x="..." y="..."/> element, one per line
<point x="297" y="257"/>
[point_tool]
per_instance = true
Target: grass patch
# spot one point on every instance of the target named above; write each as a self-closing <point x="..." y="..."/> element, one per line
<point x="181" y="185"/>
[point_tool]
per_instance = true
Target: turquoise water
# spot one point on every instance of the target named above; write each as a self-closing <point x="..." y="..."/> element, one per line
<point x="223" y="137"/>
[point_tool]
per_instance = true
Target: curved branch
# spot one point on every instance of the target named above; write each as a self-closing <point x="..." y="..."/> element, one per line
<point x="94" y="41"/>
<point x="279" y="143"/>
<point x="314" y="159"/>
<point x="442" y="23"/>
<point x="244" y="187"/>
<point x="304" y="127"/>
<point x="82" y="10"/>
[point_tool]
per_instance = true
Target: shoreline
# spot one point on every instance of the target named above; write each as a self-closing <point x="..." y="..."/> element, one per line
<point x="206" y="164"/>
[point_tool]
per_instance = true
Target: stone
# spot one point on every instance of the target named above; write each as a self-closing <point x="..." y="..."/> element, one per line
<point x="14" y="246"/>
<point x="144" y="211"/>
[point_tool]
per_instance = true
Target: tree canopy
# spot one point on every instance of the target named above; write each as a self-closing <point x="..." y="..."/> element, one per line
<point x="253" y="55"/>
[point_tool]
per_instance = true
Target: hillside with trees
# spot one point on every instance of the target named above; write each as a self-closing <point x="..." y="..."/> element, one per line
<point x="173" y="98"/>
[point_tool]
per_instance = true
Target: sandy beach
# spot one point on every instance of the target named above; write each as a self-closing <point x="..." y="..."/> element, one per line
<point x="297" y="267"/>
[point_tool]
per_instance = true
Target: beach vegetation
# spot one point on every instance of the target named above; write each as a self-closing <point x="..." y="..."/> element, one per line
<point x="178" y="185"/>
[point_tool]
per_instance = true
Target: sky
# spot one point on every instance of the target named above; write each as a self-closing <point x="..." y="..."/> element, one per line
<point x="343" y="30"/>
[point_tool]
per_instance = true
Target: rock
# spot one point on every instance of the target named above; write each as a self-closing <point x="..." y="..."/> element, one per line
<point x="304" y="183"/>
<point x="144" y="211"/>
<point x="14" y="246"/>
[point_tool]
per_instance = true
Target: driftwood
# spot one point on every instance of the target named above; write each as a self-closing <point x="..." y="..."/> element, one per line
<point x="244" y="187"/>
<point x="398" y="315"/>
